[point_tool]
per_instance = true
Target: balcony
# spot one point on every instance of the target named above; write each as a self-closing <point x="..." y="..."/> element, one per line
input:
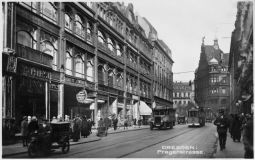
<point x="34" y="55"/>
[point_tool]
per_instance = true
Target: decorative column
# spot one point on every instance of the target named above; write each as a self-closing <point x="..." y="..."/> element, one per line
<point x="61" y="60"/>
<point x="125" y="79"/>
<point x="47" y="100"/>
<point x="96" y="70"/>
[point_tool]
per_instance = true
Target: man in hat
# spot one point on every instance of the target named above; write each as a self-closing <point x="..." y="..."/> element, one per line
<point x="24" y="130"/>
<point x="222" y="125"/>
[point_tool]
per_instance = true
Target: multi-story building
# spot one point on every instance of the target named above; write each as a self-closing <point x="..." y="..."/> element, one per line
<point x="183" y="94"/>
<point x="241" y="60"/>
<point x="64" y="58"/>
<point x="212" y="79"/>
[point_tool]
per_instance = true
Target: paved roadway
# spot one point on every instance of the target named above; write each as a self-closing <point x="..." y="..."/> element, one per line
<point x="188" y="143"/>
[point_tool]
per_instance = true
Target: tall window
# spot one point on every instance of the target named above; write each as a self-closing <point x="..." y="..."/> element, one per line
<point x="118" y="50"/>
<point x="49" y="45"/>
<point x="79" y="66"/>
<point x="110" y="44"/>
<point x="120" y="80"/>
<point x="90" y="69"/>
<point x="79" y="29"/>
<point x="68" y="19"/>
<point x="101" y="37"/>
<point x="68" y="68"/>
<point x="100" y="74"/>
<point x="89" y="31"/>
<point x="110" y="78"/>
<point x="49" y="11"/>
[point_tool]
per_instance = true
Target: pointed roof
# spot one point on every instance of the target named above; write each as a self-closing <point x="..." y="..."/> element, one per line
<point x="213" y="61"/>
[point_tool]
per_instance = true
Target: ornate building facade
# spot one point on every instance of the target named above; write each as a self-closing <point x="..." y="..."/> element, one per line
<point x="64" y="58"/>
<point x="212" y="79"/>
<point x="241" y="60"/>
<point x="183" y="94"/>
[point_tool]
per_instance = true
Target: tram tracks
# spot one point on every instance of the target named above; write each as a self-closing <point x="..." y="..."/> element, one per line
<point x="130" y="140"/>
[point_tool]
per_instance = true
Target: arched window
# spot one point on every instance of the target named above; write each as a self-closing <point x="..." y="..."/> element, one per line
<point x="110" y="78"/>
<point x="79" y="66"/>
<point x="89" y="31"/>
<point x="68" y="19"/>
<point x="118" y="50"/>
<point x="26" y="34"/>
<point x="49" y="11"/>
<point x="110" y="44"/>
<point x="120" y="80"/>
<point x="26" y="39"/>
<point x="90" y="69"/>
<point x="79" y="29"/>
<point x="49" y="45"/>
<point x="69" y="63"/>
<point x="100" y="37"/>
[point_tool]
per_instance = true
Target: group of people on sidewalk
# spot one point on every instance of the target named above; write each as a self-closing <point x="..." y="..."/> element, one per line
<point x="79" y="126"/>
<point x="238" y="125"/>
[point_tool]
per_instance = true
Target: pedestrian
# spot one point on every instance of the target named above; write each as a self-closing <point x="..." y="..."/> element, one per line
<point x="76" y="129"/>
<point x="222" y="125"/>
<point x="139" y="122"/>
<point x="90" y="124"/>
<point x="33" y="125"/>
<point x="85" y="127"/>
<point x="236" y="129"/>
<point x="115" y="123"/>
<point x="231" y="120"/>
<point x="135" y="121"/>
<point x="54" y="120"/>
<point x="248" y="138"/>
<point x="24" y="130"/>
<point x="125" y="123"/>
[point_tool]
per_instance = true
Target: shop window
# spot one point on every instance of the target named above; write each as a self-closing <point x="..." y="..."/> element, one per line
<point x="49" y="11"/>
<point x="79" y="66"/>
<point x="79" y="29"/>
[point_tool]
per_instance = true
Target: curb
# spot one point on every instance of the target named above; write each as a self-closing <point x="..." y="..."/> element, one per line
<point x="13" y="154"/>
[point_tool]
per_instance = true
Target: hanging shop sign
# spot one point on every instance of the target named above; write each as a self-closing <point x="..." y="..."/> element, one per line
<point x="12" y="64"/>
<point x="81" y="96"/>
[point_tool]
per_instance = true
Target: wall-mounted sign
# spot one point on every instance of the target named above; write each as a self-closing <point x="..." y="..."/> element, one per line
<point x="12" y="64"/>
<point x="81" y="96"/>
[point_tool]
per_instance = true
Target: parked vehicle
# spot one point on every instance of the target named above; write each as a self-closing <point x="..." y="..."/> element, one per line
<point x="196" y="117"/>
<point x="162" y="118"/>
<point x="41" y="144"/>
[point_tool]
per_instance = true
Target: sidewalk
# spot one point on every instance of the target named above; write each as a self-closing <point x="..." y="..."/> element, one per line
<point x="14" y="149"/>
<point x="233" y="149"/>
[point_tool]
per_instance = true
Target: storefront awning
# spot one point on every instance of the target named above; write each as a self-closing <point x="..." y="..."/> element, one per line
<point x="144" y="109"/>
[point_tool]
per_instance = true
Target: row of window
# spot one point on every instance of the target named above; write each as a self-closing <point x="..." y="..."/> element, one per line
<point x="216" y="90"/>
<point x="218" y="68"/>
<point x="218" y="78"/>
<point x="181" y="94"/>
<point x="181" y="102"/>
<point x="161" y="91"/>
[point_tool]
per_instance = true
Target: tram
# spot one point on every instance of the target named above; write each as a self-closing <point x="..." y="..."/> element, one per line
<point x="162" y="118"/>
<point x="196" y="117"/>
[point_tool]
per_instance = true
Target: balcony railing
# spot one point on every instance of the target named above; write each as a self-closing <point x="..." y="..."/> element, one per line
<point x="34" y="55"/>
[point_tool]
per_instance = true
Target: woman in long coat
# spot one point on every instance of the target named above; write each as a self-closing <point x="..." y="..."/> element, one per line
<point x="236" y="128"/>
<point x="76" y="129"/>
<point x="24" y="130"/>
<point x="85" y="127"/>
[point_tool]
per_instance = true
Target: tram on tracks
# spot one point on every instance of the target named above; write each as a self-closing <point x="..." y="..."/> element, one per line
<point x="196" y="117"/>
<point x="162" y="118"/>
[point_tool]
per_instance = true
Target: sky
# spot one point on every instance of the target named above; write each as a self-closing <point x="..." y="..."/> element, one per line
<point x="181" y="24"/>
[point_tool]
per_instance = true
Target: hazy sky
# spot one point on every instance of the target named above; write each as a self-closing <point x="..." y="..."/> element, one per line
<point x="181" y="24"/>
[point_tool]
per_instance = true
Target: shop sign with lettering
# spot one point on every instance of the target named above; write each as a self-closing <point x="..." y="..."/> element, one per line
<point x="34" y="72"/>
<point x="12" y="64"/>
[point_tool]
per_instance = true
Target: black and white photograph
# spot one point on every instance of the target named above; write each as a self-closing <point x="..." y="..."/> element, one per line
<point x="127" y="79"/>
